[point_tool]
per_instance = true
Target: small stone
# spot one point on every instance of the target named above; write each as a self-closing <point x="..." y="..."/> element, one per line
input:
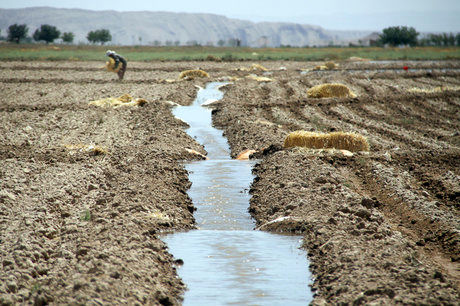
<point x="321" y="180"/>
<point x="438" y="275"/>
<point x="115" y="275"/>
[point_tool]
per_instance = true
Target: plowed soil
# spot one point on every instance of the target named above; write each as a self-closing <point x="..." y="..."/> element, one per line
<point x="82" y="225"/>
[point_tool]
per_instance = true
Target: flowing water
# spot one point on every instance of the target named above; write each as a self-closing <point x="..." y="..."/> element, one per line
<point x="225" y="261"/>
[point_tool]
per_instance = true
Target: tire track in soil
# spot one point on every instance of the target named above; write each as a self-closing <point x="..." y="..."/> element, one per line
<point x="436" y="237"/>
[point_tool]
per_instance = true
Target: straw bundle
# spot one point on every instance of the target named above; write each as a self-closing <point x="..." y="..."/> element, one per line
<point x="110" y="65"/>
<point x="331" y="65"/>
<point x="326" y="66"/>
<point x="258" y="78"/>
<point x="122" y="101"/>
<point x="330" y="91"/>
<point x="337" y="140"/>
<point x="258" y="67"/>
<point x="191" y="74"/>
<point x="244" y="155"/>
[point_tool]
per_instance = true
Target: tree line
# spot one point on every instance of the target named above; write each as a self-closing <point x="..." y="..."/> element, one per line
<point x="397" y="36"/>
<point x="393" y="36"/>
<point x="48" y="33"/>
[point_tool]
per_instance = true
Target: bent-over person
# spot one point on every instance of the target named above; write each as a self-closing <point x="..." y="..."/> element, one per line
<point x="117" y="63"/>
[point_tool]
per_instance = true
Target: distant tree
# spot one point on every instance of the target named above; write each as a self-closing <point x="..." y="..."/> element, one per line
<point x="221" y="43"/>
<point x="192" y="43"/>
<point x="396" y="36"/>
<point x="156" y="43"/>
<point x="176" y="43"/>
<point x="92" y="37"/>
<point x="102" y="36"/>
<point x="16" y="32"/>
<point x="448" y="39"/>
<point x="68" y="37"/>
<point x="435" y="39"/>
<point x="234" y="42"/>
<point x="457" y="39"/>
<point x="46" y="32"/>
<point x="168" y="43"/>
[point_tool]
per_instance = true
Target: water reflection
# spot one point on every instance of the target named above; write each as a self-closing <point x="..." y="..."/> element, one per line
<point x="226" y="262"/>
<point x="241" y="268"/>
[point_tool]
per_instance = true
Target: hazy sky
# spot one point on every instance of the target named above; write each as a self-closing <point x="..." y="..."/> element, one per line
<point x="424" y="15"/>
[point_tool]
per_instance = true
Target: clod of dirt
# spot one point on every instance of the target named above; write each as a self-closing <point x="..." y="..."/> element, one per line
<point x="338" y="140"/>
<point x="330" y="91"/>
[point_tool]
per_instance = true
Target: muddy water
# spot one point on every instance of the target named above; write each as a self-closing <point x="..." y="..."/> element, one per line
<point x="226" y="261"/>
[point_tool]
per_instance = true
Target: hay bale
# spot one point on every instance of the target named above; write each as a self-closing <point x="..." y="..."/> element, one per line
<point x="124" y="100"/>
<point x="331" y="65"/>
<point x="258" y="78"/>
<point x="258" y="67"/>
<point x="330" y="91"/>
<point x="358" y="59"/>
<point x="110" y="65"/>
<point x="338" y="140"/>
<point x="320" y="67"/>
<point x="191" y="74"/>
<point x="213" y="58"/>
<point x="326" y="66"/>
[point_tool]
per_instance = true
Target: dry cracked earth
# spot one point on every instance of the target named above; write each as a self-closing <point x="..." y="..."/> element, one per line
<point x="85" y="191"/>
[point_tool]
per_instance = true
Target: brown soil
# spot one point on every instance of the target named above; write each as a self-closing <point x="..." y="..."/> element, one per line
<point x="82" y="227"/>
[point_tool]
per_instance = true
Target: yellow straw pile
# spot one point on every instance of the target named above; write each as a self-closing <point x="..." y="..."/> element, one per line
<point x="330" y="91"/>
<point x="110" y="65"/>
<point x="122" y="101"/>
<point x="337" y="140"/>
<point x="191" y="74"/>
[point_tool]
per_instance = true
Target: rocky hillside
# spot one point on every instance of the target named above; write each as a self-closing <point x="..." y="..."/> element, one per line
<point x="128" y="28"/>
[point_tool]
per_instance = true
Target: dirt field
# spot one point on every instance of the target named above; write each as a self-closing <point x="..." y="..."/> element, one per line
<point x="80" y="224"/>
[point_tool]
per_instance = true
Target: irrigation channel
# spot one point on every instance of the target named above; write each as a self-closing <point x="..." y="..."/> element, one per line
<point x="225" y="260"/>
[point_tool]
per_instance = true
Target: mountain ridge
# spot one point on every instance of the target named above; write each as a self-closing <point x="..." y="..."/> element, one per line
<point x="149" y="27"/>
